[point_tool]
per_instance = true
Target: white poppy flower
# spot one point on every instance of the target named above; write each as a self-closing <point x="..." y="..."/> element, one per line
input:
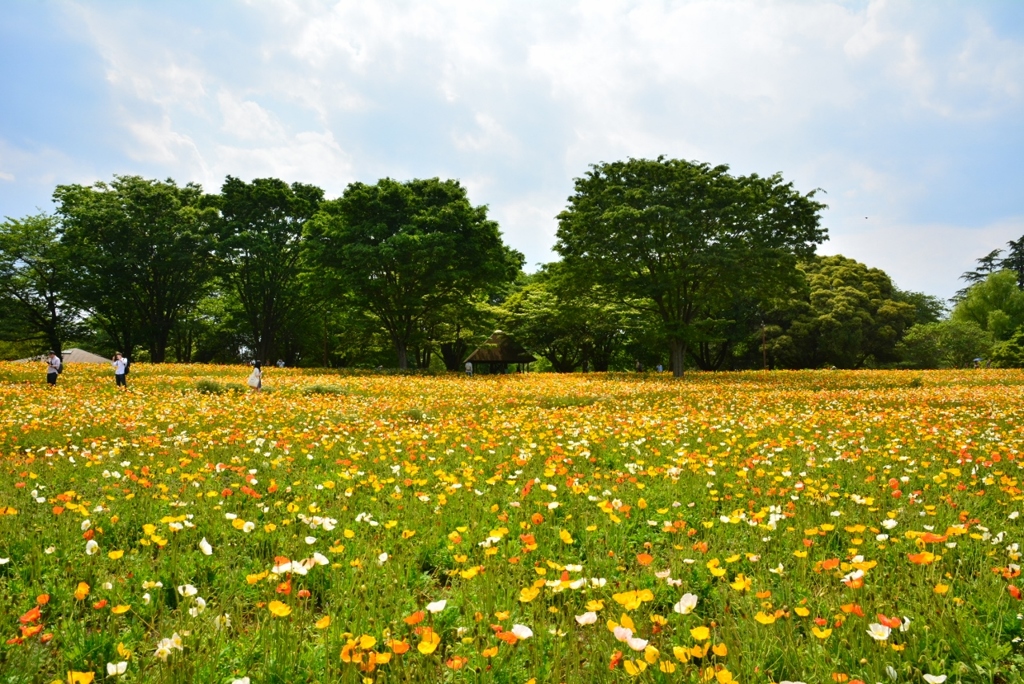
<point x="199" y="607"/>
<point x="878" y="632"/>
<point x="522" y="631"/>
<point x="588" y="618"/>
<point x="636" y="644"/>
<point x="116" y="669"/>
<point x="686" y="604"/>
<point x="622" y="633"/>
<point x="436" y="606"/>
<point x="205" y="547"/>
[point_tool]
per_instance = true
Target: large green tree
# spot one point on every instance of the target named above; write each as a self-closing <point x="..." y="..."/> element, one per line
<point x="684" y="238"/>
<point x="995" y="304"/>
<point x="34" y="275"/>
<point x="850" y="314"/>
<point x="944" y="344"/>
<point x="261" y="254"/>
<point x="405" y="251"/>
<point x="141" y="252"/>
<point x="570" y="323"/>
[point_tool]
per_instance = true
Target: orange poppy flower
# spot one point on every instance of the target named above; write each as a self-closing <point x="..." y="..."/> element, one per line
<point x="30" y="616"/>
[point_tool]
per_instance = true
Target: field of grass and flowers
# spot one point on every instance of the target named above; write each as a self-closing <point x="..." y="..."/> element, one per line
<point x="751" y="527"/>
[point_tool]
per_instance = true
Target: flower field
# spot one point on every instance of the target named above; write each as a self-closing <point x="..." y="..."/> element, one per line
<point x="810" y="526"/>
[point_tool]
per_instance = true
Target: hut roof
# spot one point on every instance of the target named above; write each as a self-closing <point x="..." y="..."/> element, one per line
<point x="73" y="355"/>
<point x="500" y="348"/>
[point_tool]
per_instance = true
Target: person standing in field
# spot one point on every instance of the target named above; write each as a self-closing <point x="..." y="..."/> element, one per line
<point x="256" y="377"/>
<point x="53" y="366"/>
<point x="120" y="365"/>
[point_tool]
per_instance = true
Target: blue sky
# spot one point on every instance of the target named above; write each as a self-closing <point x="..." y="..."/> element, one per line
<point x="910" y="115"/>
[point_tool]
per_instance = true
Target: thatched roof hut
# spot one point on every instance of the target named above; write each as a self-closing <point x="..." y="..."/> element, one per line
<point x="73" y="355"/>
<point x="500" y="350"/>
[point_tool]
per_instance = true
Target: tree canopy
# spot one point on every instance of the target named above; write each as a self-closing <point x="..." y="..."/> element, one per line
<point x="407" y="250"/>
<point x="683" y="238"/>
<point x="995" y="304"/>
<point x="141" y="251"/>
<point x="34" y="276"/>
<point x="662" y="261"/>
<point x="261" y="248"/>
<point x="849" y="314"/>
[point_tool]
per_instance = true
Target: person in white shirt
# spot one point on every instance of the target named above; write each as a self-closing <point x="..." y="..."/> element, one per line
<point x="53" y="364"/>
<point x="256" y="377"/>
<point x="120" y="365"/>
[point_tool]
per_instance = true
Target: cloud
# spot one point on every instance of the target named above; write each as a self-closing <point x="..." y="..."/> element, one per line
<point x="925" y="257"/>
<point x="31" y="173"/>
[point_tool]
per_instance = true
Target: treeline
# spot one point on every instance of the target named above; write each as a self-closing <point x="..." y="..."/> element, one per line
<point x="663" y="262"/>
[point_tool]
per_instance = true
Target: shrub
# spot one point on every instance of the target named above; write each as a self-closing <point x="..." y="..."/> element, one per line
<point x="209" y="387"/>
<point x="324" y="389"/>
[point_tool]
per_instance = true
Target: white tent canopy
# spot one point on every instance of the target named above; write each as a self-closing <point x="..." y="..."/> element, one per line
<point x="73" y="355"/>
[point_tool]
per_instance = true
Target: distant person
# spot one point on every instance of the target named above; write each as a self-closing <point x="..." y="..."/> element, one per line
<point x="469" y="368"/>
<point x="256" y="377"/>
<point x="660" y="368"/>
<point x="639" y="367"/>
<point x="280" y="363"/>
<point x="53" y="367"/>
<point x="120" y="364"/>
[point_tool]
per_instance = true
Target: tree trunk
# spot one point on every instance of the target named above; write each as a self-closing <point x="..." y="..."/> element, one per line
<point x="55" y="344"/>
<point x="453" y="353"/>
<point x="678" y="356"/>
<point x="402" y="349"/>
<point x="158" y="348"/>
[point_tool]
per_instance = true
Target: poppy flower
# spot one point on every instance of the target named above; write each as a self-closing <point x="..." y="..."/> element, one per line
<point x="278" y="609"/>
<point x="878" y="632"/>
<point x="429" y="640"/>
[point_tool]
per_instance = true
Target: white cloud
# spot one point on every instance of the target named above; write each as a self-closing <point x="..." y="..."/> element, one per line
<point x="247" y="119"/>
<point x="35" y="170"/>
<point x="924" y="257"/>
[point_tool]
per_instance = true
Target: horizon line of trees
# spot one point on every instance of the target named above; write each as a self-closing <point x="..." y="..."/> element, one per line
<point x="662" y="262"/>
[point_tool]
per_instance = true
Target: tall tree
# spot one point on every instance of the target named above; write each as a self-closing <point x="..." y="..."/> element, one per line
<point x="404" y="251"/>
<point x="141" y="251"/>
<point x="34" y="282"/>
<point x="849" y="315"/>
<point x="996" y="304"/>
<point x="987" y="265"/>
<point x="261" y="250"/>
<point x="944" y="344"/>
<point x="683" y="237"/>
<point x="1014" y="259"/>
